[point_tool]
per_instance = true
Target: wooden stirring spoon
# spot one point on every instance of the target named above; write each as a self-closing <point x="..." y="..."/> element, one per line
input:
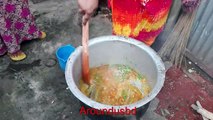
<point x="85" y="53"/>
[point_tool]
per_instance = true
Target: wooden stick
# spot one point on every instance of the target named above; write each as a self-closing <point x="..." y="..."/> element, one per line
<point x="203" y="112"/>
<point x="199" y="105"/>
<point x="85" y="53"/>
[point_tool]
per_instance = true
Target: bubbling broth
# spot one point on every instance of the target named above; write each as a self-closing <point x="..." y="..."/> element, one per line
<point x="115" y="85"/>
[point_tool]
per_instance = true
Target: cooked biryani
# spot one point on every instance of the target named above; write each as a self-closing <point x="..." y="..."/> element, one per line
<point x="115" y="85"/>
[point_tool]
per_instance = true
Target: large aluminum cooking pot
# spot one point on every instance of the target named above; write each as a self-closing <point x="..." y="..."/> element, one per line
<point x="117" y="50"/>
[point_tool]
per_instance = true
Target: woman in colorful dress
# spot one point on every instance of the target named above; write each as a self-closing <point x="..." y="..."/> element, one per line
<point x="139" y="19"/>
<point x="16" y="25"/>
<point x="142" y="20"/>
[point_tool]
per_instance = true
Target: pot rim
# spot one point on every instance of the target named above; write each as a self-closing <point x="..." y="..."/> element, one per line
<point x="156" y="89"/>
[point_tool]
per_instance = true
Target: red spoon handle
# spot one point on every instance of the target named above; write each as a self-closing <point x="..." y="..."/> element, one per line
<point x="85" y="54"/>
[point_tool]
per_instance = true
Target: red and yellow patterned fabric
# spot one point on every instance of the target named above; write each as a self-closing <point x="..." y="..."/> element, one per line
<point x="139" y="19"/>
